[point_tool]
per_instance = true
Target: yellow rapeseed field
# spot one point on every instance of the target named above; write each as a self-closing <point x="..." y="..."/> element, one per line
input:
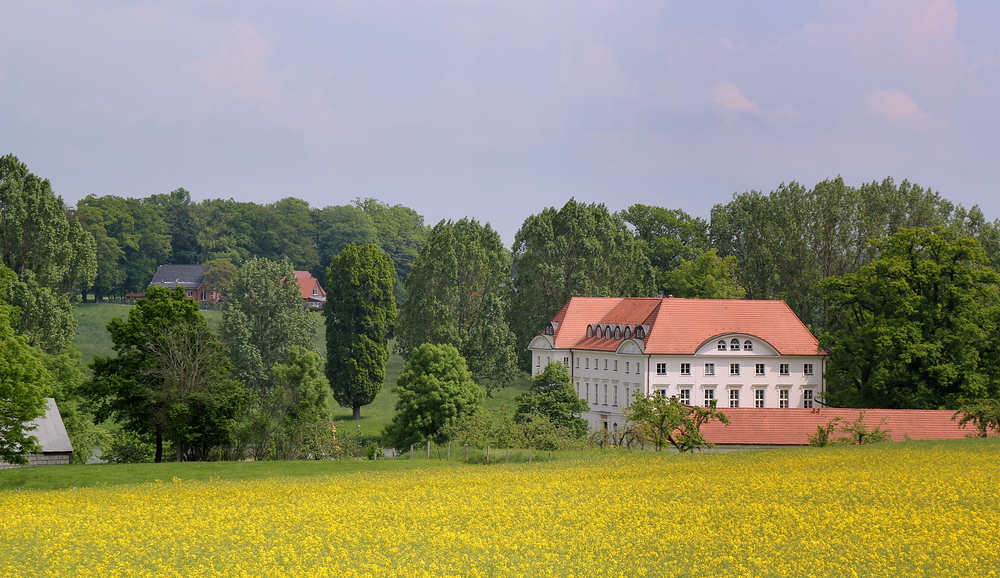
<point x="892" y="510"/>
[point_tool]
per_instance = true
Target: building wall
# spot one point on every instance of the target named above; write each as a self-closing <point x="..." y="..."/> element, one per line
<point x="54" y="459"/>
<point x="608" y="380"/>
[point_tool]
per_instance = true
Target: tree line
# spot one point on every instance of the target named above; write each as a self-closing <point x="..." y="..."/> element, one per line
<point x="821" y="249"/>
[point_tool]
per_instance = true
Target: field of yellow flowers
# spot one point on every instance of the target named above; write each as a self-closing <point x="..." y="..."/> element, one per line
<point x="905" y="509"/>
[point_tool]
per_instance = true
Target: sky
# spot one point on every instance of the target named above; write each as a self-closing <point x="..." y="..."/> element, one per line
<point x="496" y="110"/>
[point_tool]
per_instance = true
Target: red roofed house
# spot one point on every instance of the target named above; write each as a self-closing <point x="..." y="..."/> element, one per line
<point x="745" y="354"/>
<point x="312" y="291"/>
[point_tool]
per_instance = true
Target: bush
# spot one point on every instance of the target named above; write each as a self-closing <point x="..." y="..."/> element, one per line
<point x="129" y="448"/>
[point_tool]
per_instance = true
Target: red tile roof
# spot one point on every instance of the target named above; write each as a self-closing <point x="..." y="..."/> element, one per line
<point x="307" y="283"/>
<point x="681" y="326"/>
<point x="749" y="426"/>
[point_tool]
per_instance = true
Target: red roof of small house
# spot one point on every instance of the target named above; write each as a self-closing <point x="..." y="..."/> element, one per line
<point x="791" y="427"/>
<point x="307" y="284"/>
<point x="681" y="326"/>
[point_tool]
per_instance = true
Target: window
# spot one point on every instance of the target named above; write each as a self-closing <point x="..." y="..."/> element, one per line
<point x="734" y="369"/>
<point x="709" y="397"/>
<point x="548" y="360"/>
<point x="566" y="361"/>
<point x="590" y="331"/>
<point x="616" y="395"/>
<point x="758" y="398"/>
<point x="616" y="365"/>
<point x="315" y="291"/>
<point x="685" y="396"/>
<point x="618" y="332"/>
<point x="578" y="389"/>
<point x="759" y="369"/>
<point x="734" y="345"/>
<point x="709" y="369"/>
<point x="721" y="345"/>
<point x="747" y="346"/>
<point x="586" y="363"/>
<point x="538" y="361"/>
<point x="638" y="368"/>
<point x="626" y="367"/>
<point x="190" y="293"/>
<point x="661" y="368"/>
<point x="782" y="398"/>
<point x="578" y="363"/>
<point x="734" y="398"/>
<point x="807" y="398"/>
<point x="661" y="392"/>
<point x="640" y="333"/>
<point x="628" y="397"/>
<point x="628" y="333"/>
<point x="807" y="369"/>
<point x="605" y="364"/>
<point x="685" y="369"/>
<point x="605" y="394"/>
<point x="783" y="369"/>
<point x="203" y="295"/>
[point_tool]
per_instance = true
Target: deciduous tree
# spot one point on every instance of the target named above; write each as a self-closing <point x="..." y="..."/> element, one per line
<point x="552" y="396"/>
<point x="915" y="328"/>
<point x="435" y="390"/>
<point x="666" y="420"/>
<point x="707" y="276"/>
<point x="456" y="294"/>
<point x="360" y="315"/>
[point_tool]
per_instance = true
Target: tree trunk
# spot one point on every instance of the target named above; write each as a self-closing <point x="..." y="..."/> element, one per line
<point x="159" y="447"/>
<point x="357" y="412"/>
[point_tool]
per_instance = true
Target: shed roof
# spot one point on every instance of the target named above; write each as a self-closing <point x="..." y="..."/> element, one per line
<point x="790" y="426"/>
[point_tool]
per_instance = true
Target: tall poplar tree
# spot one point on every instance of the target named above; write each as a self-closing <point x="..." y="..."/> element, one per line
<point x="360" y="314"/>
<point x="456" y="294"/>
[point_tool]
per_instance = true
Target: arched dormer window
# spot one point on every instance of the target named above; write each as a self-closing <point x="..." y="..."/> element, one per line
<point x="628" y="332"/>
<point x="590" y="331"/>
<point x="721" y="346"/>
<point x="618" y="332"/>
<point x="747" y="346"/>
<point x="550" y="330"/>
<point x="599" y="333"/>
<point x="640" y="333"/>
<point x="734" y="345"/>
<point x="608" y="332"/>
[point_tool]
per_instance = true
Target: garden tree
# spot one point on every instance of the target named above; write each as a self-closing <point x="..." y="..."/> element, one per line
<point x="666" y="420"/>
<point x="552" y="395"/>
<point x="707" y="276"/>
<point x="435" y="390"/>
<point x="179" y="214"/>
<point x="336" y="227"/>
<point x="667" y="236"/>
<point x="24" y="382"/>
<point x="787" y="241"/>
<point x="360" y="314"/>
<point x="132" y="241"/>
<point x="984" y="414"/>
<point x="220" y="276"/>
<point x="294" y="414"/>
<point x="915" y="328"/>
<point x="456" y="294"/>
<point x="580" y="250"/>
<point x="170" y="378"/>
<point x="68" y="375"/>
<point x="264" y="318"/>
<point x="51" y="255"/>
<point x="292" y="235"/>
<point x="224" y="230"/>
<point x="401" y="233"/>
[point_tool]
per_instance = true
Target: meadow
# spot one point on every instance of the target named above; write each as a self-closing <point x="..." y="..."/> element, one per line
<point x="898" y="509"/>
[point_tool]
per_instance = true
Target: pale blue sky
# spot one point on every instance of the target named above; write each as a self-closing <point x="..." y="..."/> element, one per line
<point x="499" y="109"/>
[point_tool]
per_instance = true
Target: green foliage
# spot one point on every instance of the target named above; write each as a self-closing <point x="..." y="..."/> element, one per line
<point x="915" y="328"/>
<point x="360" y="314"/>
<point x="667" y="236"/>
<point x="497" y="428"/>
<point x="553" y="397"/>
<point x="51" y="255"/>
<point x="264" y="319"/>
<point x="666" y="420"/>
<point x="68" y="375"/>
<point x="336" y="228"/>
<point x="401" y="233"/>
<point x="220" y="276"/>
<point x="984" y="414"/>
<point x="456" y="295"/>
<point x="170" y="379"/>
<point x="580" y="250"/>
<point x="127" y="447"/>
<point x="857" y="432"/>
<point x="435" y="390"/>
<point x="24" y="383"/>
<point x="707" y="276"/>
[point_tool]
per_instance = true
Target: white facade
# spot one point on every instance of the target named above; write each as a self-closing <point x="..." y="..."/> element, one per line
<point x="734" y="369"/>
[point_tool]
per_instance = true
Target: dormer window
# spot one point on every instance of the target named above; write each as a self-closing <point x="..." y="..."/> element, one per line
<point x="640" y="333"/>
<point x="721" y="345"/>
<point x="734" y="345"/>
<point x="618" y="332"/>
<point x="549" y="330"/>
<point x="315" y="291"/>
<point x="590" y="331"/>
<point x="628" y="332"/>
<point x="608" y="332"/>
<point x="747" y="346"/>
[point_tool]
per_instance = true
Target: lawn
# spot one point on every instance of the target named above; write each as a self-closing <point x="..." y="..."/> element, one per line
<point x="889" y="510"/>
<point x="92" y="338"/>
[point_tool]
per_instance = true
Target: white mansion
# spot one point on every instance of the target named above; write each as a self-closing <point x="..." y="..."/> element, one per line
<point x="742" y="353"/>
